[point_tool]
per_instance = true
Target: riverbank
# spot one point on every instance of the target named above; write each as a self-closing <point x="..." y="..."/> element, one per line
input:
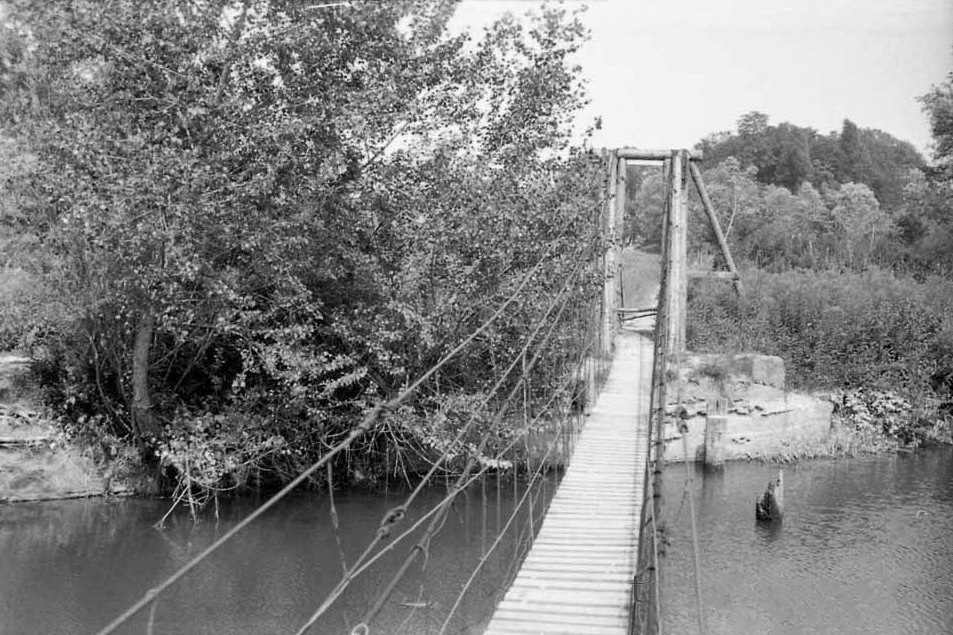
<point x="737" y="407"/>
<point x="38" y="460"/>
<point x="867" y="422"/>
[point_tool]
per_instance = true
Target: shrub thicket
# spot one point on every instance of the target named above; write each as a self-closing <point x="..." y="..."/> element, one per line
<point x="834" y="329"/>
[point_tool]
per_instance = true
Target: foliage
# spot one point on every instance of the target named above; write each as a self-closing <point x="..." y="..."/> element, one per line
<point x="938" y="104"/>
<point x="774" y="227"/>
<point x="265" y="217"/>
<point x="889" y="414"/>
<point x="930" y="200"/>
<point x="834" y="329"/>
<point x="788" y="155"/>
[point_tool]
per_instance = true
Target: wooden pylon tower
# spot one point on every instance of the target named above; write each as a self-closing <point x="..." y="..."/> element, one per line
<point x="678" y="166"/>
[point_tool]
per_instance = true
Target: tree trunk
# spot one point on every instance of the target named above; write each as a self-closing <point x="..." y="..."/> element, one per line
<point x="144" y="421"/>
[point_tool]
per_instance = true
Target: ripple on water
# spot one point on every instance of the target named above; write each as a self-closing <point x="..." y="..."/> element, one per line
<point x="866" y="546"/>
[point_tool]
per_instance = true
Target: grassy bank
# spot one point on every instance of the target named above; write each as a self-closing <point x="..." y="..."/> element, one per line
<point x="880" y="345"/>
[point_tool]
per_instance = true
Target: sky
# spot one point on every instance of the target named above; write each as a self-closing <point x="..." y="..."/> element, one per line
<point x="665" y="73"/>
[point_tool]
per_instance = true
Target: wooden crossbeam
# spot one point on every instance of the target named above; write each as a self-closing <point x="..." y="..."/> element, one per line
<point x="636" y="154"/>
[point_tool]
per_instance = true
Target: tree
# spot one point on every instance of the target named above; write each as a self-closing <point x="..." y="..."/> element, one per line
<point x="282" y="212"/>
<point x="938" y="104"/>
<point x="794" y="164"/>
<point x="933" y="198"/>
<point x="860" y="222"/>
<point x="790" y="155"/>
<point x="854" y="155"/>
<point x="736" y="197"/>
<point x="752" y="124"/>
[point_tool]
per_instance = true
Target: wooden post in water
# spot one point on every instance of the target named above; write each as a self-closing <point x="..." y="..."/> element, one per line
<point x="769" y="507"/>
<point x="715" y="426"/>
<point x="677" y="251"/>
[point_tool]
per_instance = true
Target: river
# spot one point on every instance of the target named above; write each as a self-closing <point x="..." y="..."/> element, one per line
<point x="866" y="546"/>
<point x="72" y="566"/>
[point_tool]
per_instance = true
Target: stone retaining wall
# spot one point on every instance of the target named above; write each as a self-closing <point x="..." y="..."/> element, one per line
<point x="748" y="392"/>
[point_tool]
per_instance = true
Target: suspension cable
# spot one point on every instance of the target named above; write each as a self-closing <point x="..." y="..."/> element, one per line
<point x="397" y="514"/>
<point x="496" y="542"/>
<point x="423" y="544"/>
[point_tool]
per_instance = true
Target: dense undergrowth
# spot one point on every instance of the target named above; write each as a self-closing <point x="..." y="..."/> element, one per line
<point x="879" y="344"/>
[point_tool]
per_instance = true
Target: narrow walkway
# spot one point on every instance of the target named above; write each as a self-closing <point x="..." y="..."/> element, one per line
<point x="577" y="577"/>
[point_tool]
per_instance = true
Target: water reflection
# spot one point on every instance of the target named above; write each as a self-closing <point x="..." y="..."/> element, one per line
<point x="866" y="546"/>
<point x="71" y="566"/>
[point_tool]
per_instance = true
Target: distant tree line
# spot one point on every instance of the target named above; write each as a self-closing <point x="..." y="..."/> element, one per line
<point x="791" y="197"/>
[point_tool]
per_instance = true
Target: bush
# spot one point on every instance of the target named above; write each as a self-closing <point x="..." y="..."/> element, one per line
<point x="833" y="329"/>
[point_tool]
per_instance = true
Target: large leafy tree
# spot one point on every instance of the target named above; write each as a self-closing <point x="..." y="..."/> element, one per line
<point x="286" y="211"/>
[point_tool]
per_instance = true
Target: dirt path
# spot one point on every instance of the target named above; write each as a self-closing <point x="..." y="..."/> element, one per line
<point x="641" y="273"/>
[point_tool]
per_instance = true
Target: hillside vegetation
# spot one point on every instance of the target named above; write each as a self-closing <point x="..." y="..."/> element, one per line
<point x="849" y="278"/>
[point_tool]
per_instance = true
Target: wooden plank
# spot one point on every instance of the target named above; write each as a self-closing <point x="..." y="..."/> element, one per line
<point x="578" y="574"/>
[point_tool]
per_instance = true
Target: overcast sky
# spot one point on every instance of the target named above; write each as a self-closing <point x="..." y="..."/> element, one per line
<point x="664" y="73"/>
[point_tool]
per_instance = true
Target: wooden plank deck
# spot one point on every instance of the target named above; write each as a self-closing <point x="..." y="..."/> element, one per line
<point x="577" y="577"/>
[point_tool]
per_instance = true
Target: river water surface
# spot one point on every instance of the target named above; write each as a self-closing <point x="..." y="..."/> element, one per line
<point x="73" y="566"/>
<point x="866" y="546"/>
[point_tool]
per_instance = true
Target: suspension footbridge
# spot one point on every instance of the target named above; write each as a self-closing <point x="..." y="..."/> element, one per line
<point x="579" y="573"/>
<point x="592" y="566"/>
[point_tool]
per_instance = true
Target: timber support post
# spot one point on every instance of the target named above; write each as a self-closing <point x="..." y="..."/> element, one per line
<point x="611" y="259"/>
<point x="618" y="232"/>
<point x="715" y="427"/>
<point x="677" y="237"/>
<point x="769" y="508"/>
<point x="716" y="226"/>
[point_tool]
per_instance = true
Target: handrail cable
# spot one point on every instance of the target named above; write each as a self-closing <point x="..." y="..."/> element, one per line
<point x="683" y="430"/>
<point x="496" y="542"/>
<point x="422" y="545"/>
<point x="657" y="417"/>
<point x="395" y="515"/>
